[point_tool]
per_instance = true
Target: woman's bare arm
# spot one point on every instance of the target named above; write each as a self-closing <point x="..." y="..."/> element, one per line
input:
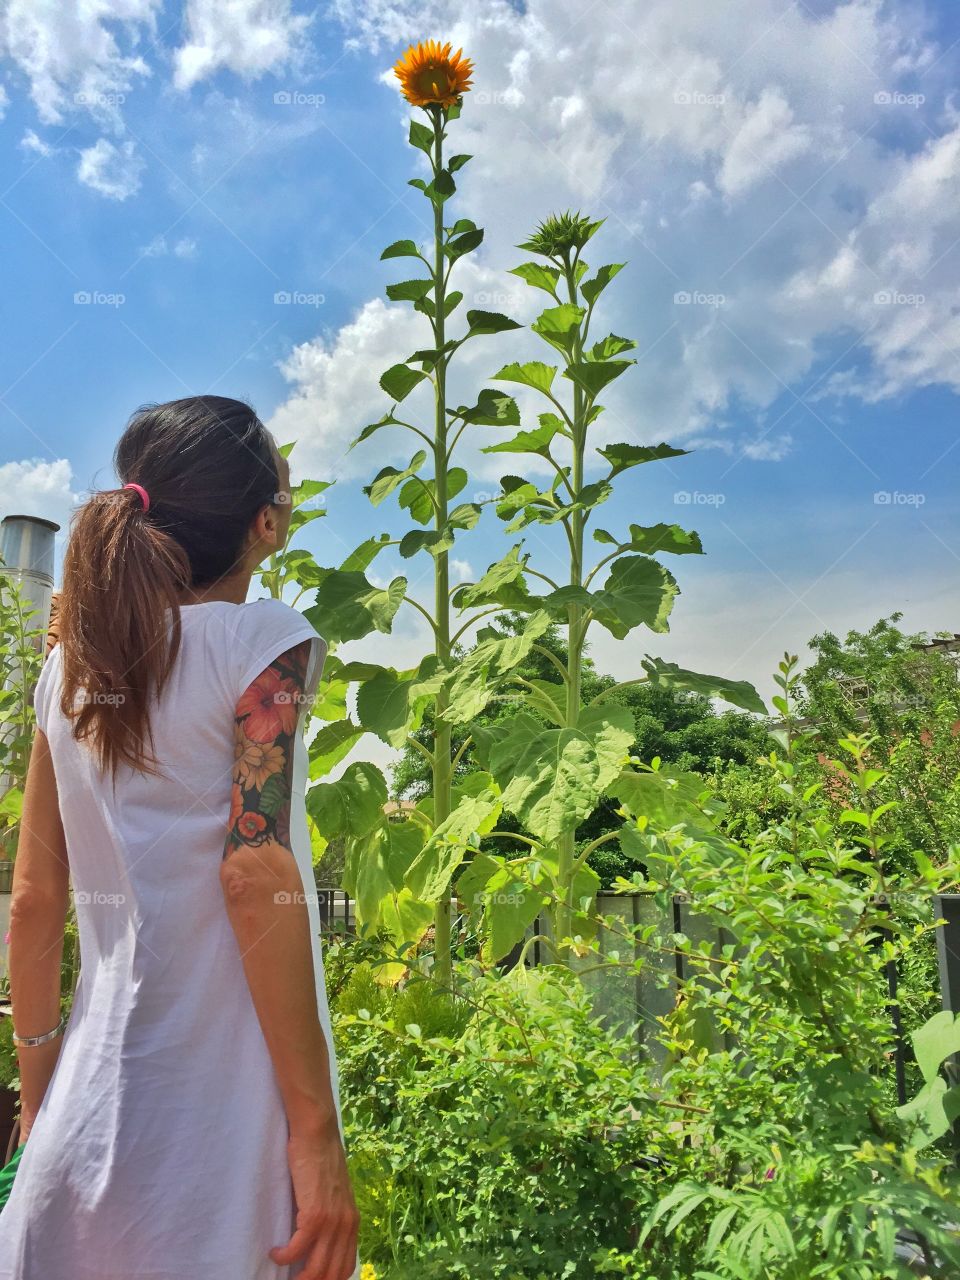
<point x="38" y="913"/>
<point x="263" y="890"/>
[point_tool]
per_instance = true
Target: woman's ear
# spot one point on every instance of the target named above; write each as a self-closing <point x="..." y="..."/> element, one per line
<point x="265" y="531"/>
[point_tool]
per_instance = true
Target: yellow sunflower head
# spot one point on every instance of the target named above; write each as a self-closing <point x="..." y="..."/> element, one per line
<point x="429" y="73"/>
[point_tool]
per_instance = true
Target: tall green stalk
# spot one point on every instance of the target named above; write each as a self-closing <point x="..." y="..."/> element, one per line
<point x="442" y="768"/>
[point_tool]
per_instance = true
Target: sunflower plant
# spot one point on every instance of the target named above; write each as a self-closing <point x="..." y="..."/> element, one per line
<point x="400" y="872"/>
<point x="549" y="764"/>
<point x="558" y="755"/>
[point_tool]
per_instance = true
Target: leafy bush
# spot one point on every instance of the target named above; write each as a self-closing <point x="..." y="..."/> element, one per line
<point x="516" y="1137"/>
<point x="491" y="1149"/>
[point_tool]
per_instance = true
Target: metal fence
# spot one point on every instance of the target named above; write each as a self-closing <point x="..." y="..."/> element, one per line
<point x="638" y="997"/>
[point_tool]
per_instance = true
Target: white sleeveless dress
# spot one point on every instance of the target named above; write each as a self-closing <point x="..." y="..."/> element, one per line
<point x="159" y="1152"/>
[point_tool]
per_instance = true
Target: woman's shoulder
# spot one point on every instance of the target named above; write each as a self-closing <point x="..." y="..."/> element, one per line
<point x="275" y="611"/>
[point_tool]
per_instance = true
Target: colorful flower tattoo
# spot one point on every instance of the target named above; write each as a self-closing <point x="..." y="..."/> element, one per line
<point x="266" y="724"/>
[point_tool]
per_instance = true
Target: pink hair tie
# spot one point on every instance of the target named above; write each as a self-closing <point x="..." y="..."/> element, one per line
<point x="144" y="496"/>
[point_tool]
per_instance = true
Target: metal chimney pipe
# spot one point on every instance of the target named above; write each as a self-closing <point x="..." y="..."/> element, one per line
<point x="26" y="550"/>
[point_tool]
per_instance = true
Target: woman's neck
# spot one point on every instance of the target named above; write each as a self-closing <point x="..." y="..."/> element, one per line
<point x="233" y="590"/>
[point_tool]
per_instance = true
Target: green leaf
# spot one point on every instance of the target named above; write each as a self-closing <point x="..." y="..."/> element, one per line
<point x="430" y="873"/>
<point x="389" y="706"/>
<point x="400" y="249"/>
<point x="536" y="441"/>
<point x="11" y="806"/>
<point x="552" y="778"/>
<point x="489" y="322"/>
<point x="501" y="584"/>
<point x="451" y="301"/>
<point x="652" y="539"/>
<point x="622" y="456"/>
<point x="610" y="346"/>
<point x="416" y="494"/>
<point x="934" y="1042"/>
<point x="388" y="420"/>
<point x="560" y="325"/>
<point x="375" y="865"/>
<point x="353" y="805"/>
<point x="927" y="1114"/>
<point x="397" y="382"/>
<point x="591" y="289"/>
<point x="457" y="162"/>
<point x="638" y="592"/>
<point x="593" y="376"/>
<point x="493" y="409"/>
<point x="349" y="607"/>
<point x="435" y="541"/>
<point x="364" y="555"/>
<point x="421" y="136"/>
<point x="405" y="919"/>
<point x="470" y="884"/>
<point x="330" y="744"/>
<point x="540" y="277"/>
<point x="511" y="902"/>
<point x="409" y="290"/>
<point x="389" y="478"/>
<point x="740" y="693"/>
<point x="532" y="374"/>
<point x="477" y="678"/>
<point x="460" y="245"/>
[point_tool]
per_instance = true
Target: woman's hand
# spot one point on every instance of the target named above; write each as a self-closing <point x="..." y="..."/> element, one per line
<point x="327" y="1218"/>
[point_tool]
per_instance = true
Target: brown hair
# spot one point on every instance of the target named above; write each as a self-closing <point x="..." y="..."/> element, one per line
<point x="208" y="465"/>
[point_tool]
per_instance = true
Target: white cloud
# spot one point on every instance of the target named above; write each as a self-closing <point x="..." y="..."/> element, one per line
<point x="112" y="170"/>
<point x="77" y="54"/>
<point x="36" y="487"/>
<point x="769" y="450"/>
<point x="33" y="142"/>
<point x="249" y="37"/>
<point x="160" y="247"/>
<point x="736" y="150"/>
<point x="336" y="391"/>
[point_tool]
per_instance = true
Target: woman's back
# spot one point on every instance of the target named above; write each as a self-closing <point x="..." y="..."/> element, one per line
<point x="163" y="1107"/>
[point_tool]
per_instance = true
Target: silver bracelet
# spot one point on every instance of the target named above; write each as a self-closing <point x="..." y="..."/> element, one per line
<point x="28" y="1042"/>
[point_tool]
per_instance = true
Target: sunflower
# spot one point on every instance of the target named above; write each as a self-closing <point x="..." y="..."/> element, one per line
<point x="428" y="74"/>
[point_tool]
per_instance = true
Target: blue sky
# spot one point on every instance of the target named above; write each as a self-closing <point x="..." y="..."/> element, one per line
<point x="792" y="168"/>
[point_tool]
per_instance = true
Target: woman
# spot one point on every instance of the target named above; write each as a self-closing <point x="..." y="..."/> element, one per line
<point x="184" y="1124"/>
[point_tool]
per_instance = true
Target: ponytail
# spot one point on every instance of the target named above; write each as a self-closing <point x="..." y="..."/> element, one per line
<point x="122" y="581"/>
<point x="197" y="472"/>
